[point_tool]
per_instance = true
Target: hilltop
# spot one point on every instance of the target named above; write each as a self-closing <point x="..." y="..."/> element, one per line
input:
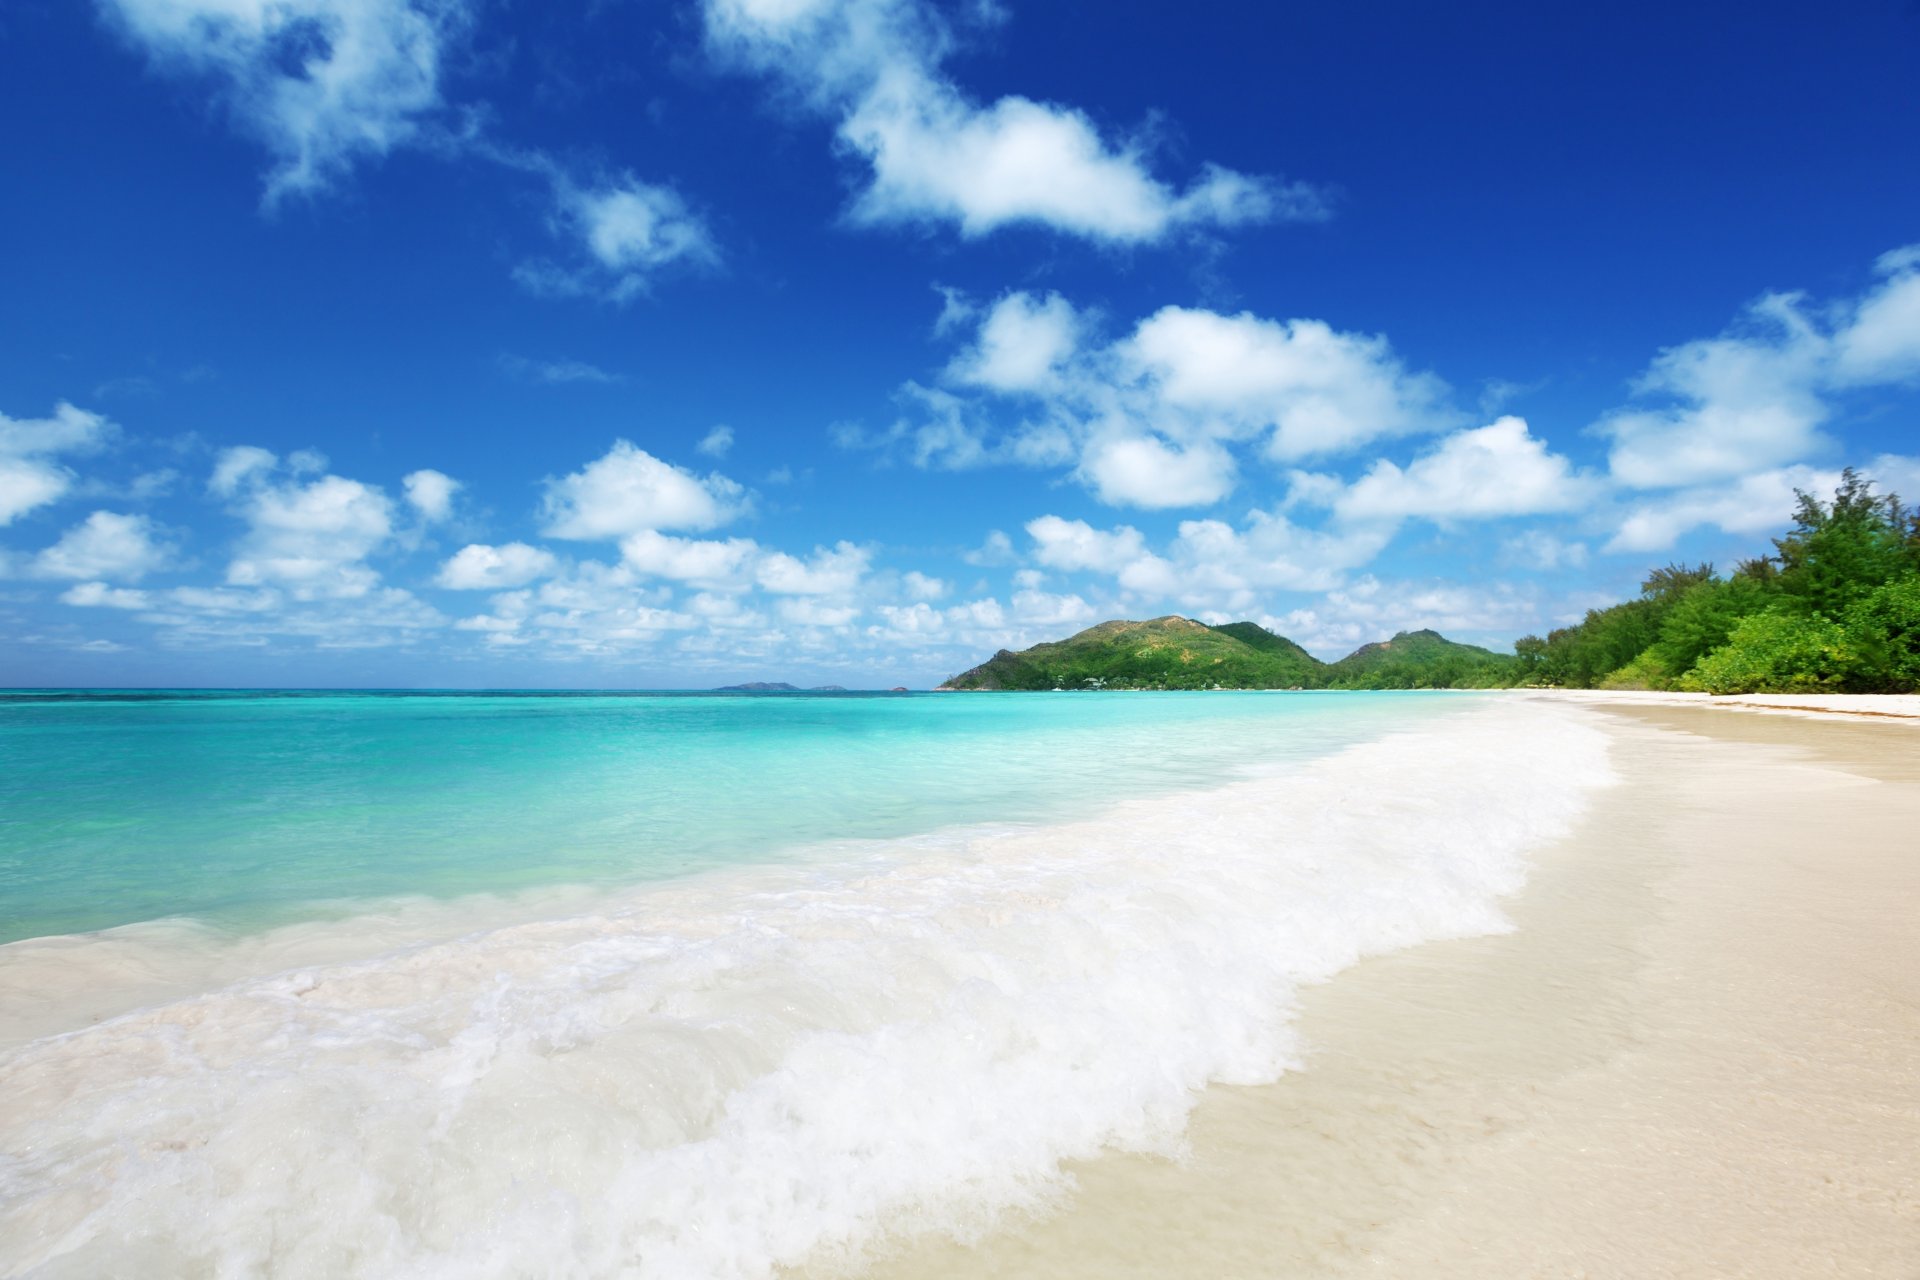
<point x="1181" y="653"/>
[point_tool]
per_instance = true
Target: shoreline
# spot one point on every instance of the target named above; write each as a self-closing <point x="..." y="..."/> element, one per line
<point x="1876" y="706"/>
<point x="1693" y="1056"/>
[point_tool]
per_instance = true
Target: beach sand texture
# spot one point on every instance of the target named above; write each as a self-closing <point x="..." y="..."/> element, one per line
<point x="1697" y="1055"/>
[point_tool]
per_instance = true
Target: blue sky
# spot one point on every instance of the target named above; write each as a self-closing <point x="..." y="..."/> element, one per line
<point x="676" y="342"/>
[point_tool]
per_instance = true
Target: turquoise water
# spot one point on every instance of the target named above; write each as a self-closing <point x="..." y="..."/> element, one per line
<point x="248" y="809"/>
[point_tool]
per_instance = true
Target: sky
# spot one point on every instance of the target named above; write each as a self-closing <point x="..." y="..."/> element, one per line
<point x="673" y="343"/>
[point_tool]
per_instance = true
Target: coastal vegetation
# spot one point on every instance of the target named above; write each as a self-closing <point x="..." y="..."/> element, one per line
<point x="1834" y="608"/>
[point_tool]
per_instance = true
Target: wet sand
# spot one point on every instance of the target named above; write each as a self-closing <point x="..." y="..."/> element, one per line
<point x="1698" y="1054"/>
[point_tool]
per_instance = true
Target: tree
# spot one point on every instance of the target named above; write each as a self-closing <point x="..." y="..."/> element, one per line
<point x="1838" y="552"/>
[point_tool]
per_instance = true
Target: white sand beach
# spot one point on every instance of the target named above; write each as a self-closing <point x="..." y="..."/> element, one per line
<point x="1698" y="1053"/>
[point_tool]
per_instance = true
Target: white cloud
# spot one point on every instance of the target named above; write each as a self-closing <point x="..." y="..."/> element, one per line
<point x="1157" y="418"/>
<point x="716" y="442"/>
<point x="629" y="490"/>
<point x="996" y="549"/>
<point x="1496" y="470"/>
<point x="1020" y="344"/>
<point x="1143" y="471"/>
<point x="589" y="610"/>
<point x="1752" y="504"/>
<point x="98" y="595"/>
<point x="1073" y="545"/>
<point x="924" y="587"/>
<point x="1757" y="397"/>
<point x="29" y="478"/>
<point x="236" y="466"/>
<point x="106" y="545"/>
<point x="716" y="565"/>
<point x="478" y="567"/>
<point x="934" y="155"/>
<point x="1209" y="565"/>
<point x="1368" y="609"/>
<point x="834" y="571"/>
<point x="627" y="232"/>
<point x="1880" y="341"/>
<point x="431" y="494"/>
<point x="323" y="84"/>
<point x="1320" y="391"/>
<point x="308" y="536"/>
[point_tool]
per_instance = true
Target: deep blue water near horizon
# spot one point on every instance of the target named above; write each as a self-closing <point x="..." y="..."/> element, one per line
<point x="248" y="808"/>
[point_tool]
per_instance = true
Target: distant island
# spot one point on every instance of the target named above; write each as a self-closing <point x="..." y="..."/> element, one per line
<point x="778" y="686"/>
<point x="1182" y="653"/>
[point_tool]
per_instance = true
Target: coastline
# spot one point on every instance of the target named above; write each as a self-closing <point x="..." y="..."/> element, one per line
<point x="1832" y="706"/>
<point x="1694" y="1056"/>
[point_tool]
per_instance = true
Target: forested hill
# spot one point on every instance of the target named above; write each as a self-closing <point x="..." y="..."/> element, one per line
<point x="1180" y="653"/>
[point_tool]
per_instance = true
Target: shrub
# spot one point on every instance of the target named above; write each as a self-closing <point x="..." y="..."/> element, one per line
<point x="1777" y="651"/>
<point x="1883" y="630"/>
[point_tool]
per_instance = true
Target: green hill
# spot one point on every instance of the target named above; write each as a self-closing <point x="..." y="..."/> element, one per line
<point x="1162" y="653"/>
<point x="1422" y="660"/>
<point x="1180" y="653"/>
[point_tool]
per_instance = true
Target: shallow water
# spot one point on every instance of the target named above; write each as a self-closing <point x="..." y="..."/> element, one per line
<point x="913" y="1024"/>
<point x="247" y="809"/>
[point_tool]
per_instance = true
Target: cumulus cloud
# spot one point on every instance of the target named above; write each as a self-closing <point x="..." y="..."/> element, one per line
<point x="629" y="490"/>
<point x="234" y="467"/>
<point x="1758" y="396"/>
<point x="829" y="571"/>
<point x="1159" y="417"/>
<point x="1316" y="389"/>
<point x="1073" y="545"/>
<point x="430" y="494"/>
<point x="29" y="476"/>
<point x="1020" y="344"/>
<point x="323" y="84"/>
<point x="710" y="563"/>
<point x="1880" y="340"/>
<point x="1209" y="565"/>
<point x="922" y="586"/>
<point x="310" y="537"/>
<point x="106" y="545"/>
<point x="1146" y="471"/>
<point x="1497" y="470"/>
<point x="933" y="154"/>
<point x="716" y="442"/>
<point x="478" y="567"/>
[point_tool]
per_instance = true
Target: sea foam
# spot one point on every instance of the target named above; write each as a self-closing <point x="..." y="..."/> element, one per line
<point x="741" y="1070"/>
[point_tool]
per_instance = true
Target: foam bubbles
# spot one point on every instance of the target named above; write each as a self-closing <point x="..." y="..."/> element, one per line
<point x="719" y="1076"/>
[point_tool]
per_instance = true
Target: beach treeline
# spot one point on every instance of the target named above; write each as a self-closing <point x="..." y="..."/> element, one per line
<point x="1835" y="608"/>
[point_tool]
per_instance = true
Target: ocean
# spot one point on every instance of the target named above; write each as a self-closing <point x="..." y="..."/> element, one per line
<point x="405" y="984"/>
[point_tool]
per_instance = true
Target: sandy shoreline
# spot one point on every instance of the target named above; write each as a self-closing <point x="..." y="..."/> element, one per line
<point x="1697" y="1055"/>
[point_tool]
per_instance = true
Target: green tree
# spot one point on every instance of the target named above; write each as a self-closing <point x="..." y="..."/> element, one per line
<point x="1701" y="620"/>
<point x="1883" y="632"/>
<point x="1839" y="551"/>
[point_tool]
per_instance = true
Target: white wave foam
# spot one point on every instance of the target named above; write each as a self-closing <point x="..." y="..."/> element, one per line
<point x="715" y="1078"/>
